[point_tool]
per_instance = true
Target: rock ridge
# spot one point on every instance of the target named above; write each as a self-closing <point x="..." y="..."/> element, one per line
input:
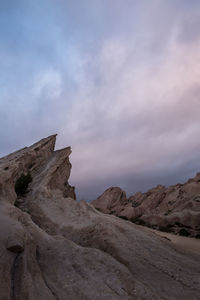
<point x="54" y="247"/>
<point x="173" y="209"/>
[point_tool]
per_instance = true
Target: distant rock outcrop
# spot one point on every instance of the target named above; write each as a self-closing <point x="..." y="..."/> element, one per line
<point x="112" y="201"/>
<point x="53" y="247"/>
<point x="173" y="209"/>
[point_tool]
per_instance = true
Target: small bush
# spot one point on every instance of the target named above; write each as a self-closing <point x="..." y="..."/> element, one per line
<point x="184" y="232"/>
<point x="164" y="228"/>
<point x="98" y="209"/>
<point x="170" y="225"/>
<point x="139" y="221"/>
<point x="123" y="217"/>
<point x="22" y="183"/>
<point x="135" y="204"/>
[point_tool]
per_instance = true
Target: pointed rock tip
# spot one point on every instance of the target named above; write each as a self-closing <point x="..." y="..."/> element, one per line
<point x="50" y="139"/>
<point x="66" y="151"/>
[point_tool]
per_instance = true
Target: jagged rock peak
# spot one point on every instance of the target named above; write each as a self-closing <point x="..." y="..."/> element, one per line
<point x="49" y="141"/>
<point x="37" y="160"/>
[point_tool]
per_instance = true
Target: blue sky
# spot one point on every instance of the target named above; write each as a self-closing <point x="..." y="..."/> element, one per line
<point x="117" y="80"/>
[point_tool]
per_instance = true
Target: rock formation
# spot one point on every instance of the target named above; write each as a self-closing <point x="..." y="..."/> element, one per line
<point x="53" y="247"/>
<point x="112" y="201"/>
<point x="173" y="209"/>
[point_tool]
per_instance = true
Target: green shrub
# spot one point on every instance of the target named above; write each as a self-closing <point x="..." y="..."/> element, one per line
<point x="22" y="183"/>
<point x="123" y="217"/>
<point x="139" y="221"/>
<point x="184" y="232"/>
<point x="164" y="228"/>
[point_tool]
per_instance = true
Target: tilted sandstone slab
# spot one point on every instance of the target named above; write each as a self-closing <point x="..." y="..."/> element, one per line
<point x="53" y="247"/>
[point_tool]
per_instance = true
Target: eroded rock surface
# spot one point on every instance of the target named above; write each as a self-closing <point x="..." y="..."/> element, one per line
<point x="53" y="247"/>
<point x="112" y="201"/>
<point x="173" y="209"/>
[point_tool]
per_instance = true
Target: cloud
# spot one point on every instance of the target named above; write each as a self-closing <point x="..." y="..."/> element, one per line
<point x="117" y="81"/>
<point x="189" y="32"/>
<point x="143" y="119"/>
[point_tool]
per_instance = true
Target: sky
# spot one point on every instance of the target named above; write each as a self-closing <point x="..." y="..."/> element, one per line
<point x="117" y="80"/>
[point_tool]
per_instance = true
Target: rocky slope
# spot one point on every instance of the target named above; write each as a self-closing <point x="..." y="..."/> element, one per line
<point x="53" y="247"/>
<point x="173" y="209"/>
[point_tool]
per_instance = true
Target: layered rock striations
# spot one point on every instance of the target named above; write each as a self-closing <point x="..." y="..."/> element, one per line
<point x="174" y="209"/>
<point x="53" y="247"/>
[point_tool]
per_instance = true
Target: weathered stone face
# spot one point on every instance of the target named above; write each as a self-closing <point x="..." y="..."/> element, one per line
<point x="112" y="201"/>
<point x="175" y="209"/>
<point x="53" y="247"/>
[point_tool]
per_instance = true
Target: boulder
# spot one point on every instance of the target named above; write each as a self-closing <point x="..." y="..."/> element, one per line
<point x="112" y="201"/>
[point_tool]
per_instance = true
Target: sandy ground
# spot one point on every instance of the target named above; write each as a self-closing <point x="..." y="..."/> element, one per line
<point x="186" y="244"/>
